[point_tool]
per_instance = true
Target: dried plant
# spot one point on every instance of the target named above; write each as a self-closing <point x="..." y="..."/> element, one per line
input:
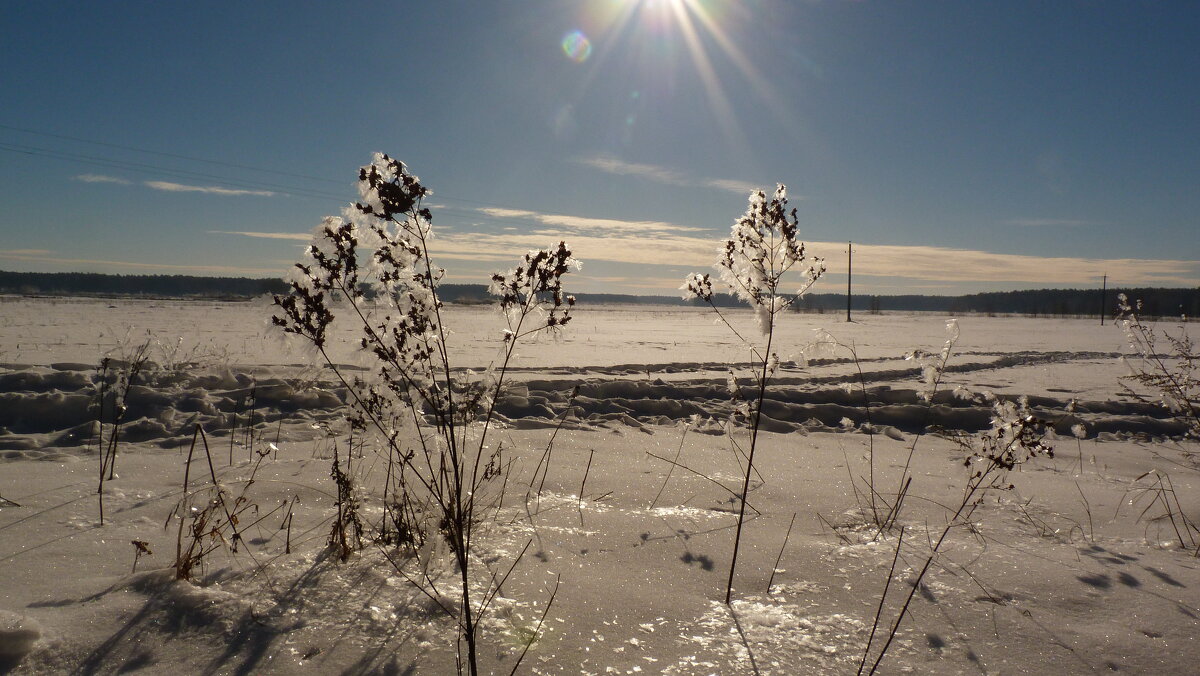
<point x="1157" y="492"/>
<point x="762" y="248"/>
<point x="140" y="548"/>
<point x="209" y="516"/>
<point x="1173" y="378"/>
<point x="1016" y="437"/>
<point x="372" y="267"/>
<point x="345" y="536"/>
<point x="882" y="510"/>
<point x="115" y="378"/>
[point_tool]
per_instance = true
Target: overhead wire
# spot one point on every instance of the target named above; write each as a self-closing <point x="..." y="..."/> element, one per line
<point x="117" y="164"/>
<point x="165" y="154"/>
<point x="231" y="183"/>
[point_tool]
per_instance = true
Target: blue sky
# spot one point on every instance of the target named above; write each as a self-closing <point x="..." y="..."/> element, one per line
<point x="963" y="146"/>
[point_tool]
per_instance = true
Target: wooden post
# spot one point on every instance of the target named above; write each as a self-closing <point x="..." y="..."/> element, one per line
<point x="849" y="275"/>
<point x="1103" y="298"/>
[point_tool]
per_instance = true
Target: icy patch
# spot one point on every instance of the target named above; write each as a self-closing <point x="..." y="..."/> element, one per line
<point x="779" y="638"/>
<point x="550" y="500"/>
<point x="693" y="512"/>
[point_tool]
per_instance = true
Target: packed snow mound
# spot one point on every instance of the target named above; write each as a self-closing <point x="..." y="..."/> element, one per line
<point x="46" y="411"/>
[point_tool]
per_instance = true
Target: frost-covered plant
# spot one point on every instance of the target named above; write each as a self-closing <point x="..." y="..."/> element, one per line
<point x="114" y="379"/>
<point x="1174" y="378"/>
<point x="345" y="536"/>
<point x="209" y="516"/>
<point x="933" y="368"/>
<point x="933" y="365"/>
<point x="1155" y="489"/>
<point x="884" y="510"/>
<point x="762" y="248"/>
<point x="372" y="267"/>
<point x="1016" y="437"/>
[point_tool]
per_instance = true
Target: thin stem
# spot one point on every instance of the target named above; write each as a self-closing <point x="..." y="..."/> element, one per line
<point x="762" y="390"/>
<point x="882" y="597"/>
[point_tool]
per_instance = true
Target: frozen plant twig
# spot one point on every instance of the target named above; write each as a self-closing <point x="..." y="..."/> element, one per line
<point x="1174" y="378"/>
<point x="1016" y="437"/>
<point x="762" y="247"/>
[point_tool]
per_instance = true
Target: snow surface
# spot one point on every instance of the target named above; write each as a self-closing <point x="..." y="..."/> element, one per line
<point x="1076" y="570"/>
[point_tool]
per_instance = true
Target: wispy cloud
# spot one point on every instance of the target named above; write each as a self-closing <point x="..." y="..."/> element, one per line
<point x="942" y="264"/>
<point x="298" y="236"/>
<point x="668" y="245"/>
<point x="1047" y="222"/>
<point x="590" y="225"/>
<point x="612" y="165"/>
<point x="473" y="255"/>
<point x="208" y="189"/>
<point x="651" y="172"/>
<point x="741" y="188"/>
<point x="923" y="263"/>
<point x="169" y="186"/>
<point x="101" y="178"/>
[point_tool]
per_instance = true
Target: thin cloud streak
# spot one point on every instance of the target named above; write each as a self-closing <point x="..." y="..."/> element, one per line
<point x="168" y="186"/>
<point x="741" y="188"/>
<point x="298" y="236"/>
<point x="207" y="189"/>
<point x="101" y="178"/>
<point x="924" y="263"/>
<point x="16" y="253"/>
<point x="584" y="223"/>
<point x="650" y="172"/>
<point x="943" y="264"/>
<point x="666" y="244"/>
<point x="1047" y="222"/>
<point x="303" y="237"/>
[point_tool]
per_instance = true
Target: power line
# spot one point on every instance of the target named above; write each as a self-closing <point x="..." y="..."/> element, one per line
<point x="224" y="181"/>
<point x="140" y="167"/>
<point x="303" y="192"/>
<point x="222" y="163"/>
<point x="172" y="155"/>
<point x="127" y="165"/>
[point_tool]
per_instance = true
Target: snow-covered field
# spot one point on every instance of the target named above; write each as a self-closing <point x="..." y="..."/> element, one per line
<point x="1077" y="569"/>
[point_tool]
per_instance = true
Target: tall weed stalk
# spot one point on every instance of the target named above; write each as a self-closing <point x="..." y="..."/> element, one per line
<point x="116" y="377"/>
<point x="1172" y="376"/>
<point x="372" y="267"/>
<point x="763" y="246"/>
<point x="1016" y="437"/>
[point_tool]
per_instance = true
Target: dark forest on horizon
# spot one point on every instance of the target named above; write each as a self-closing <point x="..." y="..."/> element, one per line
<point x="1157" y="302"/>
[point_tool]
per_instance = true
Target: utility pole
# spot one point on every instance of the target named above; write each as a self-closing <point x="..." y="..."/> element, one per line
<point x="849" y="274"/>
<point x="1103" y="298"/>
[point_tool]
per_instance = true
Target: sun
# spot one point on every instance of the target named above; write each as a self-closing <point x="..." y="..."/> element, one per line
<point x="708" y="32"/>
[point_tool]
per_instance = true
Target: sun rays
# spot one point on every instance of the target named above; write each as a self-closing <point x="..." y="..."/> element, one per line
<point x="658" y="38"/>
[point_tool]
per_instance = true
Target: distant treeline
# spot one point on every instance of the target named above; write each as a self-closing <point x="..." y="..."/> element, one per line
<point x="1157" y="302"/>
<point x="167" y="286"/>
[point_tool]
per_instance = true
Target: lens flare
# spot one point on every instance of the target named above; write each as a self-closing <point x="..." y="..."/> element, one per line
<point x="576" y="46"/>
